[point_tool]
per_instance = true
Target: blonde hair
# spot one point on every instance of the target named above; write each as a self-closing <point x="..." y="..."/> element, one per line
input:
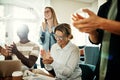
<point x="55" y="21"/>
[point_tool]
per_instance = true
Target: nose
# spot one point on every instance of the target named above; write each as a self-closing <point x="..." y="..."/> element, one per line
<point x="57" y="38"/>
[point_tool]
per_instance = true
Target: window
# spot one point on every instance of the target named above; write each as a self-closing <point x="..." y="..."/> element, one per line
<point x="12" y="17"/>
<point x="2" y="26"/>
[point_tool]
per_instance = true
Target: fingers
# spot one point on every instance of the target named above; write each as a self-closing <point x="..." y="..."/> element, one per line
<point x="14" y="44"/>
<point x="47" y="61"/>
<point x="42" y="53"/>
<point x="76" y="17"/>
<point x="48" y="53"/>
<point x="8" y="48"/>
<point x="79" y="21"/>
<point x="79" y="16"/>
<point x="89" y="12"/>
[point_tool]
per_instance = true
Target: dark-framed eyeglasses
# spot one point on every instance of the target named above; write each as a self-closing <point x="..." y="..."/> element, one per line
<point x="59" y="37"/>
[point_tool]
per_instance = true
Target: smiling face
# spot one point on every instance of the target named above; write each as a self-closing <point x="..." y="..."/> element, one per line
<point x="63" y="34"/>
<point x="48" y="13"/>
<point x="61" y="38"/>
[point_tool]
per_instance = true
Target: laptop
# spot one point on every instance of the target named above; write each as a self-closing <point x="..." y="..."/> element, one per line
<point x="7" y="67"/>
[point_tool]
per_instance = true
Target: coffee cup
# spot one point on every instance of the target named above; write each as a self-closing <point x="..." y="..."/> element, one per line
<point x="17" y="75"/>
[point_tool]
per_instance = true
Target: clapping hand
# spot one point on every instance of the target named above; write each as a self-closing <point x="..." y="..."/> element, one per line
<point x="12" y="48"/>
<point x="4" y="51"/>
<point x="86" y="25"/>
<point x="47" y="59"/>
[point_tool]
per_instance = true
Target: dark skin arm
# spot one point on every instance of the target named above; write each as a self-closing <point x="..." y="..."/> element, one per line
<point x="29" y="62"/>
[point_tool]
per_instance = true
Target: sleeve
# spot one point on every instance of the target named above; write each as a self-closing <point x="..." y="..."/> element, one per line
<point x="102" y="12"/>
<point x="100" y="36"/>
<point x="48" y="67"/>
<point x="41" y="36"/>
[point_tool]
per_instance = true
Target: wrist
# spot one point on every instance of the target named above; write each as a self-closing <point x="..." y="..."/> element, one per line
<point x="16" y="52"/>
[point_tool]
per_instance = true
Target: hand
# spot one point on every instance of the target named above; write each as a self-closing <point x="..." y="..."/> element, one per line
<point x="44" y="54"/>
<point x="43" y="26"/>
<point x="12" y="48"/>
<point x="86" y="25"/>
<point x="4" y="51"/>
<point x="47" y="59"/>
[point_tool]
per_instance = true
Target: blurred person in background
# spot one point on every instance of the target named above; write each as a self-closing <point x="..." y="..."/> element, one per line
<point x="47" y="38"/>
<point x="25" y="50"/>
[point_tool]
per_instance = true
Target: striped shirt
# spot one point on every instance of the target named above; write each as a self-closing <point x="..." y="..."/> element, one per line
<point x="27" y="49"/>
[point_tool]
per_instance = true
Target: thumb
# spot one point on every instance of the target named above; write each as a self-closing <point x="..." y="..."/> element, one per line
<point x="14" y="43"/>
<point x="42" y="52"/>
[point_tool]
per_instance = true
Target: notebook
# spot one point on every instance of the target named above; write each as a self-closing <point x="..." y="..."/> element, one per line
<point x="7" y="67"/>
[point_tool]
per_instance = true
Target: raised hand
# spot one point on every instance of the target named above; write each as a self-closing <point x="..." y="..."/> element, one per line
<point x="86" y="25"/>
<point x="47" y="59"/>
<point x="4" y="51"/>
<point x="12" y="48"/>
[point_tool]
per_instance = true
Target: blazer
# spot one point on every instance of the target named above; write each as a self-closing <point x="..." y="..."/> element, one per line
<point x="113" y="67"/>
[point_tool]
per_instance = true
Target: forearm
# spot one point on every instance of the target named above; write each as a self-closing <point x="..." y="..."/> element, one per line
<point x="29" y="62"/>
<point x="110" y="26"/>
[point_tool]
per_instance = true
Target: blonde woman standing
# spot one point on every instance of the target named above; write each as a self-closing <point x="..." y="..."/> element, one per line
<point x="46" y="32"/>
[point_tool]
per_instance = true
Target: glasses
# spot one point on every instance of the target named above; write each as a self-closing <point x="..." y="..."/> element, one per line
<point x="59" y="37"/>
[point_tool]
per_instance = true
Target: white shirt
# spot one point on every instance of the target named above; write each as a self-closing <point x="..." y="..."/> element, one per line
<point x="66" y="62"/>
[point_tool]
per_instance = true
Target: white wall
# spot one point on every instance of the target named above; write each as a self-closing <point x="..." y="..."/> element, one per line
<point x="65" y="8"/>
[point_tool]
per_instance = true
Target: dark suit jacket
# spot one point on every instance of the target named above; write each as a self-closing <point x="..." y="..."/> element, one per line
<point x="113" y="67"/>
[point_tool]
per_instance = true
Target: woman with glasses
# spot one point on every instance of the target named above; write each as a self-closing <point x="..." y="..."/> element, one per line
<point x="64" y="56"/>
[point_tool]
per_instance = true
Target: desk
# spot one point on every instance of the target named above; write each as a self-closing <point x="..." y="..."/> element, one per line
<point x="37" y="74"/>
<point x="38" y="77"/>
<point x="42" y="71"/>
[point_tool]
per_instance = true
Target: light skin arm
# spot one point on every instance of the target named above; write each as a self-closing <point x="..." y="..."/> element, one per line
<point x="47" y="59"/>
<point x="93" y="22"/>
<point x="111" y="26"/>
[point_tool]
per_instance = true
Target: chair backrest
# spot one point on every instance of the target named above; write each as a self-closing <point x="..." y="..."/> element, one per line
<point x="87" y="71"/>
<point x="7" y="67"/>
<point x="92" y="55"/>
